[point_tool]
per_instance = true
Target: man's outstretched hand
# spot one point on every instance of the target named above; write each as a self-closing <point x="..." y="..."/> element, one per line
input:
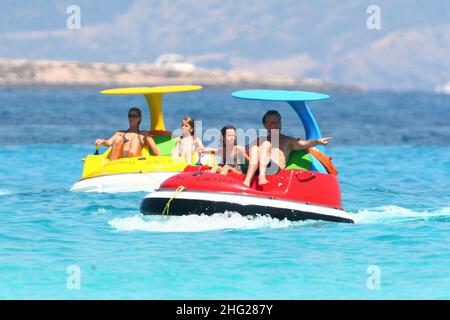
<point x="324" y="141"/>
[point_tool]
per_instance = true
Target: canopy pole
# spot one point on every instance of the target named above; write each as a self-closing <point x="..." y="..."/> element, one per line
<point x="312" y="130"/>
<point x="154" y="102"/>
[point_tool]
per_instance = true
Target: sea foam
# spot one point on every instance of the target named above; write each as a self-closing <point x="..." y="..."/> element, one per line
<point x="396" y="214"/>
<point x="196" y="223"/>
<point x="233" y="220"/>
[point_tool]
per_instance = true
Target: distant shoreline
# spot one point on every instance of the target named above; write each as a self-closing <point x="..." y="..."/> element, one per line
<point x="32" y="73"/>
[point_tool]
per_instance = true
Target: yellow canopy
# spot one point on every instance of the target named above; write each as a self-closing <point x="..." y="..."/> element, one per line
<point x="154" y="100"/>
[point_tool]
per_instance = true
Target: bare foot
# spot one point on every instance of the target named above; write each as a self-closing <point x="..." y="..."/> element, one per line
<point x="247" y="183"/>
<point x="262" y="180"/>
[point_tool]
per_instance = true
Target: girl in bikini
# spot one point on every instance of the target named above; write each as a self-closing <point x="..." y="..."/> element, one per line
<point x="129" y="143"/>
<point x="188" y="142"/>
<point x="231" y="157"/>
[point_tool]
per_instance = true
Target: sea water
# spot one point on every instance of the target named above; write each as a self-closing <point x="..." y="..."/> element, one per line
<point x="393" y="155"/>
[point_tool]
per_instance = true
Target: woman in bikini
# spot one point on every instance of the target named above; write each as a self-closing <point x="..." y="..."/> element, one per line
<point x="129" y="143"/>
<point x="188" y="142"/>
<point x="231" y="157"/>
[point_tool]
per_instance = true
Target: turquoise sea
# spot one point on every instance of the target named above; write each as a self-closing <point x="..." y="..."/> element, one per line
<point x="393" y="155"/>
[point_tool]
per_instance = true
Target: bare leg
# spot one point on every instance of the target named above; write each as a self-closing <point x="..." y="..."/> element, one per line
<point x="228" y="169"/>
<point x="278" y="159"/>
<point x="135" y="146"/>
<point x="253" y="164"/>
<point x="264" y="159"/>
<point x="225" y="170"/>
<point x="117" y="148"/>
<point x="216" y="169"/>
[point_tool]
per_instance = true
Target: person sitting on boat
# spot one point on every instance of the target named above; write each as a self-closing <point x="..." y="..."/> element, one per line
<point x="188" y="143"/>
<point x="231" y="156"/>
<point x="129" y="143"/>
<point x="272" y="151"/>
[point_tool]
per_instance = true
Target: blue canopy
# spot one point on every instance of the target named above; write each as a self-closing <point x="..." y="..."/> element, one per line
<point x="279" y="95"/>
<point x="297" y="100"/>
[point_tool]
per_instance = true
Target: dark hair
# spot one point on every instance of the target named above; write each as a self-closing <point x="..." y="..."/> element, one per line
<point x="224" y="132"/>
<point x="270" y="113"/>
<point x="138" y="112"/>
<point x="191" y="123"/>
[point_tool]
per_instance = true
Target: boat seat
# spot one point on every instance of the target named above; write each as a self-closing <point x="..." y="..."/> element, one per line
<point x="165" y="144"/>
<point x="300" y="160"/>
<point x="145" y="152"/>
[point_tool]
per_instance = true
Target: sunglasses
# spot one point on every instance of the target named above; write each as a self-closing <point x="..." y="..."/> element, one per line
<point x="133" y="115"/>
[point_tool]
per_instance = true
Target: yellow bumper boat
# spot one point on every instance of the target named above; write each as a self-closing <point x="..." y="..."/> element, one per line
<point x="142" y="173"/>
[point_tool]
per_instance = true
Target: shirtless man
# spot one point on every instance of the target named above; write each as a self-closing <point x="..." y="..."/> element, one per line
<point x="274" y="149"/>
<point x="129" y="143"/>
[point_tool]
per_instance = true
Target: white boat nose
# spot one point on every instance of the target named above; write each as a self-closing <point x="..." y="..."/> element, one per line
<point x="115" y="183"/>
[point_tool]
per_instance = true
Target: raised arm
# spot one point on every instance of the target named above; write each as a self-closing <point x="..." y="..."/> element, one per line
<point x="108" y="142"/>
<point x="299" y="144"/>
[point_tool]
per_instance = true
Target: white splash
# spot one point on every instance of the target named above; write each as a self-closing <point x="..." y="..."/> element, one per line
<point x="196" y="223"/>
<point x="392" y="214"/>
<point x="233" y="220"/>
<point x="101" y="211"/>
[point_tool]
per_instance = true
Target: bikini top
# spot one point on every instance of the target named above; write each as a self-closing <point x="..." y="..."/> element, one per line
<point x="231" y="160"/>
<point x="125" y="140"/>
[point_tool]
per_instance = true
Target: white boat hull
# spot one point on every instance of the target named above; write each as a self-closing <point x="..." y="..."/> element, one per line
<point x="126" y="182"/>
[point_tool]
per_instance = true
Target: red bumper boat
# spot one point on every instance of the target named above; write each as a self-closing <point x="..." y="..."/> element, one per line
<point x="308" y="189"/>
